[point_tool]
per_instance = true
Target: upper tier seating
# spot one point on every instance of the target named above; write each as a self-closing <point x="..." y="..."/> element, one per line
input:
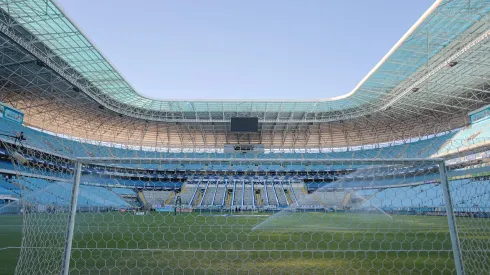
<point x="477" y="133"/>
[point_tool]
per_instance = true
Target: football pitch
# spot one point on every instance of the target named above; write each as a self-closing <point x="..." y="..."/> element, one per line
<point x="207" y="243"/>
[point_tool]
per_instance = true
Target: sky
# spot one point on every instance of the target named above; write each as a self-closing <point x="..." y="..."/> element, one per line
<point x="221" y="49"/>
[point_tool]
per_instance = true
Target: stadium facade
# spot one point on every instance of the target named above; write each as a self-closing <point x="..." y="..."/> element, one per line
<point x="392" y="177"/>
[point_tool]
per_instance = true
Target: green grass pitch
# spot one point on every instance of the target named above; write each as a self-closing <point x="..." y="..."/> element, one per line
<point x="200" y="243"/>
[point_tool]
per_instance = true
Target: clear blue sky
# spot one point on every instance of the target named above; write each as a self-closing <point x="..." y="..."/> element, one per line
<point x="244" y="49"/>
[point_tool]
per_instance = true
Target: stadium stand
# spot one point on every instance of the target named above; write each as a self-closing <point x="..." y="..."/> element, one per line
<point x="51" y="193"/>
<point x="431" y="146"/>
<point x="157" y="197"/>
<point x="342" y="186"/>
<point x="470" y="195"/>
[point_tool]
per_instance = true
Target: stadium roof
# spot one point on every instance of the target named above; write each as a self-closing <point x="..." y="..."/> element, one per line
<point x="46" y="21"/>
<point x="413" y="84"/>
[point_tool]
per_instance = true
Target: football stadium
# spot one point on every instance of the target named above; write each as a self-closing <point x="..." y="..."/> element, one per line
<point x="391" y="178"/>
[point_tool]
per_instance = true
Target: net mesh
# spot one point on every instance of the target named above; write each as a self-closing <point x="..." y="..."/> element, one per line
<point x="237" y="216"/>
<point x="41" y="184"/>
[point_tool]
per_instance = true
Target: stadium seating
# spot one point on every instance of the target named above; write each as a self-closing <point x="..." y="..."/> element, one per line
<point x="469" y="195"/>
<point x="157" y="197"/>
<point x="280" y="195"/>
<point x="478" y="133"/>
<point x="123" y="191"/>
<point x="272" y="198"/>
<point x="248" y="196"/>
<point x="219" y="199"/>
<point x="209" y="195"/>
<point x="111" y="191"/>
<point x="204" y="194"/>
<point x="9" y="186"/>
<point x="4" y="191"/>
<point x="44" y="192"/>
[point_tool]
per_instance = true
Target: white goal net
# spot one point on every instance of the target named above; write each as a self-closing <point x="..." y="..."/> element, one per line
<point x="249" y="216"/>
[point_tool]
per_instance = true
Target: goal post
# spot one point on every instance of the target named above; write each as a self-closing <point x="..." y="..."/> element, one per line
<point x="71" y="219"/>
<point x="456" y="252"/>
<point x="284" y="216"/>
<point x="458" y="262"/>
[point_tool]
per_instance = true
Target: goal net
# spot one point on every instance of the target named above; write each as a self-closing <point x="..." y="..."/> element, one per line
<point x="215" y="215"/>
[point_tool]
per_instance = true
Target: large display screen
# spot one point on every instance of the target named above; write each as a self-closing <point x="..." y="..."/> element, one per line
<point x="245" y="124"/>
